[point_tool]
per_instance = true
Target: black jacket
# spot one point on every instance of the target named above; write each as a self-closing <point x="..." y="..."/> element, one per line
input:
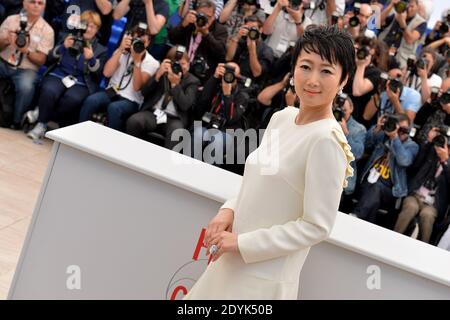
<point x="183" y="95"/>
<point x="212" y="47"/>
<point x="423" y="168"/>
<point x="233" y="106"/>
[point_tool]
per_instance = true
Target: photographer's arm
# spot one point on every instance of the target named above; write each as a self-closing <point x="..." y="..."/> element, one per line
<point x="266" y="95"/>
<point x="112" y="64"/>
<point x="155" y="22"/>
<point x="404" y="155"/>
<point x="330" y="8"/>
<point x="232" y="47"/>
<point x="255" y="65"/>
<point x="104" y="6"/>
<point x="269" y="24"/>
<point x="361" y="85"/>
<point x="122" y="9"/>
<point x="227" y="11"/>
<point x="184" y="98"/>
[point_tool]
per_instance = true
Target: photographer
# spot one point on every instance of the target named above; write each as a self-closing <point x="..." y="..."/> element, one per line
<point x="322" y="10"/>
<point x="354" y="131"/>
<point x="404" y="29"/>
<point x="129" y="69"/>
<point x="284" y="25"/>
<point x="75" y="72"/>
<point x="25" y="41"/>
<point x="356" y="21"/>
<point x="247" y="49"/>
<point x="394" y="98"/>
<point x="429" y="186"/>
<point x="169" y="97"/>
<point x="64" y="16"/>
<point x="193" y="5"/>
<point x="371" y="60"/>
<point x="154" y="12"/>
<point x="384" y="177"/>
<point x="434" y="113"/>
<point x="439" y="37"/>
<point x="236" y="11"/>
<point x="221" y="106"/>
<point x="419" y="75"/>
<point x="204" y="37"/>
<point x="276" y="97"/>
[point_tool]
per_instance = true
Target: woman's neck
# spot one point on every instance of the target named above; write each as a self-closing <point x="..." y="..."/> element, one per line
<point x="308" y="115"/>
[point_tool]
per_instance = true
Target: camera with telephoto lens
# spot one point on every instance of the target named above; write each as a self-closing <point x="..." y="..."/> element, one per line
<point x="200" y="67"/>
<point x="201" y="19"/>
<point x="395" y="84"/>
<point x="421" y="63"/>
<point x="444" y="133"/>
<point x="354" y="21"/>
<point x="176" y="66"/>
<point x="338" y="105"/>
<point x="253" y="33"/>
<point x="362" y="52"/>
<point x="311" y="5"/>
<point x="390" y="125"/>
<point x="401" y="6"/>
<point x="213" y="120"/>
<point x="137" y="44"/>
<point x="22" y="33"/>
<point x="79" y="43"/>
<point x="229" y="75"/>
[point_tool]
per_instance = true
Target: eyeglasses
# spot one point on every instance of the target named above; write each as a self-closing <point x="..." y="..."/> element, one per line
<point x="39" y="3"/>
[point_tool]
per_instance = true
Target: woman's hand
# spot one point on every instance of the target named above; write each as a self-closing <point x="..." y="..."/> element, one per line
<point x="225" y="242"/>
<point x="221" y="222"/>
<point x="88" y="53"/>
<point x="68" y="41"/>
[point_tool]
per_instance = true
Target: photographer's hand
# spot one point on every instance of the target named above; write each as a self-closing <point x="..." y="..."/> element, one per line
<point x="88" y="53"/>
<point x="394" y="97"/>
<point x="68" y="41"/>
<point x="190" y="18"/>
<point x="344" y="127"/>
<point x="220" y="71"/>
<point x="432" y="134"/>
<point x="163" y="68"/>
<point x="174" y="79"/>
<point x="125" y="44"/>
<point x="381" y="120"/>
<point x="11" y="39"/>
<point x="442" y="152"/>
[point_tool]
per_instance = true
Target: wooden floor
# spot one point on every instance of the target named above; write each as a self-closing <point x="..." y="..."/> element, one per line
<point x="22" y="168"/>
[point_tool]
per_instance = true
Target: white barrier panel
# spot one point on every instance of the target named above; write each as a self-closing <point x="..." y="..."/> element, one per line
<point x="121" y="218"/>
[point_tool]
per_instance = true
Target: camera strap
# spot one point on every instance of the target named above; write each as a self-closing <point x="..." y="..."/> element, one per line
<point x="128" y="73"/>
<point x="193" y="46"/>
<point x="321" y="4"/>
<point x="167" y="96"/>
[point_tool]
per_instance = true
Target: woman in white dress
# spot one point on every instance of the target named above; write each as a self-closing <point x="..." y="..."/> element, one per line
<point x="292" y="183"/>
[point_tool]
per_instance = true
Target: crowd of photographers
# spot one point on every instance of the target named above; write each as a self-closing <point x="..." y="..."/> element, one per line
<point x="226" y="65"/>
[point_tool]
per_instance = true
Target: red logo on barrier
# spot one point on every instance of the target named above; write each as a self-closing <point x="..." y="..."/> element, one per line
<point x="186" y="276"/>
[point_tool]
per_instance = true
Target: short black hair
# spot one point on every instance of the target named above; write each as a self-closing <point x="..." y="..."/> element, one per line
<point x="333" y="45"/>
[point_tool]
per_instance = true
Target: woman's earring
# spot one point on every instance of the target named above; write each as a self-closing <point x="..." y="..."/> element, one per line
<point x="339" y="92"/>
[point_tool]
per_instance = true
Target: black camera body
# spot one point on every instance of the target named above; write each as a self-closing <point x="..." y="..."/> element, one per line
<point x="137" y="44"/>
<point x="401" y="6"/>
<point x="384" y="77"/>
<point x="311" y="5"/>
<point x="22" y="33"/>
<point x="354" y="21"/>
<point x="395" y="84"/>
<point x="200" y="67"/>
<point x="229" y="75"/>
<point x="78" y="40"/>
<point x="444" y="133"/>
<point x="213" y="120"/>
<point x="253" y="33"/>
<point x="390" y="125"/>
<point x="176" y="66"/>
<point x="202" y="19"/>
<point x="362" y="52"/>
<point x="338" y="105"/>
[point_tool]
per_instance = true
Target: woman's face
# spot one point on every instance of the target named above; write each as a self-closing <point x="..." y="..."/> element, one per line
<point x="91" y="31"/>
<point x="316" y="80"/>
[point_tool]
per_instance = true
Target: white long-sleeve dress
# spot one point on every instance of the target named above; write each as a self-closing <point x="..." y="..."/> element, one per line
<point x="288" y="201"/>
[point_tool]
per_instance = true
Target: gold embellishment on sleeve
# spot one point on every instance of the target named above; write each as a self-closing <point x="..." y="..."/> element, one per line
<point x="348" y="153"/>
